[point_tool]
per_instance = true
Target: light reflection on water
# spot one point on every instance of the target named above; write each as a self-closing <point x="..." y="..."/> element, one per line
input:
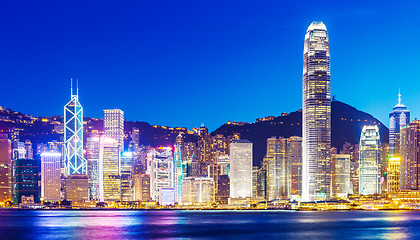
<point x="208" y="225"/>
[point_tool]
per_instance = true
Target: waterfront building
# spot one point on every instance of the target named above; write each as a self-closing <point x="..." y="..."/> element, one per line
<point x="222" y="189"/>
<point x="27" y="177"/>
<point x="114" y="126"/>
<point x="141" y="187"/>
<point x="278" y="169"/>
<point x="410" y="156"/>
<point x="5" y="170"/>
<point x="204" y="150"/>
<point x="393" y="174"/>
<point x="109" y="170"/>
<point x="126" y="160"/>
<point x="199" y="190"/>
<point x="240" y="162"/>
<point x="178" y="168"/>
<point x="162" y="171"/>
<point x="93" y="149"/>
<point x="399" y="117"/>
<point x="316" y="116"/>
<point x="370" y="161"/>
<point x="340" y="175"/>
<point x="50" y="176"/>
<point x="77" y="189"/>
<point x="294" y="155"/>
<point x="75" y="163"/>
<point x="166" y="196"/>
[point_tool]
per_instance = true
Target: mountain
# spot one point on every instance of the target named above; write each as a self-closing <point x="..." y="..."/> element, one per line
<point x="346" y="125"/>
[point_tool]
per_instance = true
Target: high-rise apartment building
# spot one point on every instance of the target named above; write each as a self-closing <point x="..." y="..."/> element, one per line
<point x="399" y="117"/>
<point x="316" y="140"/>
<point x="50" y="176"/>
<point x="240" y="161"/>
<point x="410" y="156"/>
<point x="73" y="136"/>
<point x="27" y="180"/>
<point x="370" y="161"/>
<point x="114" y="126"/>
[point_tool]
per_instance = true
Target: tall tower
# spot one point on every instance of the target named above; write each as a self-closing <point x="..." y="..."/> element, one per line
<point x="399" y="117"/>
<point x="73" y="135"/>
<point x="316" y="141"/>
<point x="370" y="161"/>
<point x="178" y="170"/>
<point x="114" y="126"/>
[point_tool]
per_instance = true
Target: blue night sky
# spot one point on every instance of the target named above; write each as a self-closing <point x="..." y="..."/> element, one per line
<point x="184" y="63"/>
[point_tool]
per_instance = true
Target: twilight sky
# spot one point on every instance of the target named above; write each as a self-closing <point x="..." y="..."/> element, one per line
<point x="183" y="63"/>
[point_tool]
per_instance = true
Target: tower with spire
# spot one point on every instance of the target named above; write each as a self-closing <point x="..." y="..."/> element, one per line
<point x="75" y="163"/>
<point x="399" y="117"/>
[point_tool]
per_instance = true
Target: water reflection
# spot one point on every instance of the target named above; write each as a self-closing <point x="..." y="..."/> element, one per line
<point x="208" y="225"/>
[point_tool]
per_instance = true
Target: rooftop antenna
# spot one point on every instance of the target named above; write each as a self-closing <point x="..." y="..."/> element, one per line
<point x="71" y="86"/>
<point x="77" y="86"/>
<point x="399" y="96"/>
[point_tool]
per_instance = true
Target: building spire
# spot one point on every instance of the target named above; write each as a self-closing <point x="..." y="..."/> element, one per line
<point x="71" y="86"/>
<point x="399" y="96"/>
<point x="77" y="87"/>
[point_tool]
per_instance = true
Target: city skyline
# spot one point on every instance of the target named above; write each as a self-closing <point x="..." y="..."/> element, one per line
<point x="237" y="63"/>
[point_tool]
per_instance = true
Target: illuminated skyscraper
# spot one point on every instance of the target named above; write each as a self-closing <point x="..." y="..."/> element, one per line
<point x="370" y="161"/>
<point x="410" y="156"/>
<point x="393" y="174"/>
<point x="73" y="136"/>
<point x="340" y="172"/>
<point x="109" y="169"/>
<point x="278" y="169"/>
<point x="114" y="126"/>
<point x="50" y="176"/>
<point x="294" y="152"/>
<point x="93" y="147"/>
<point x="240" y="161"/>
<point x="162" y="171"/>
<point x="316" y="165"/>
<point x="178" y="168"/>
<point x="399" y="117"/>
<point x="5" y="170"/>
<point x="126" y="168"/>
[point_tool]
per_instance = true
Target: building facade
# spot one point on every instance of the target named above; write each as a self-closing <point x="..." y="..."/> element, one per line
<point x="370" y="161"/>
<point x="410" y="156"/>
<point x="114" y="126"/>
<point x="399" y="117"/>
<point x="240" y="162"/>
<point x="316" y="140"/>
<point x="340" y="175"/>
<point x="278" y="169"/>
<point x="51" y="176"/>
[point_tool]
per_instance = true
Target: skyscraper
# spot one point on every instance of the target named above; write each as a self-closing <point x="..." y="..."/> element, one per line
<point x="316" y="165"/>
<point x="410" y="156"/>
<point x="294" y="152"/>
<point x="399" y="117"/>
<point x="109" y="169"/>
<point x="340" y="172"/>
<point x="93" y="147"/>
<point x="240" y="169"/>
<point x="162" y="171"/>
<point x="73" y="136"/>
<point x="370" y="161"/>
<point x="178" y="168"/>
<point x="50" y="176"/>
<point x="114" y="126"/>
<point x="5" y="170"/>
<point x="278" y="169"/>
